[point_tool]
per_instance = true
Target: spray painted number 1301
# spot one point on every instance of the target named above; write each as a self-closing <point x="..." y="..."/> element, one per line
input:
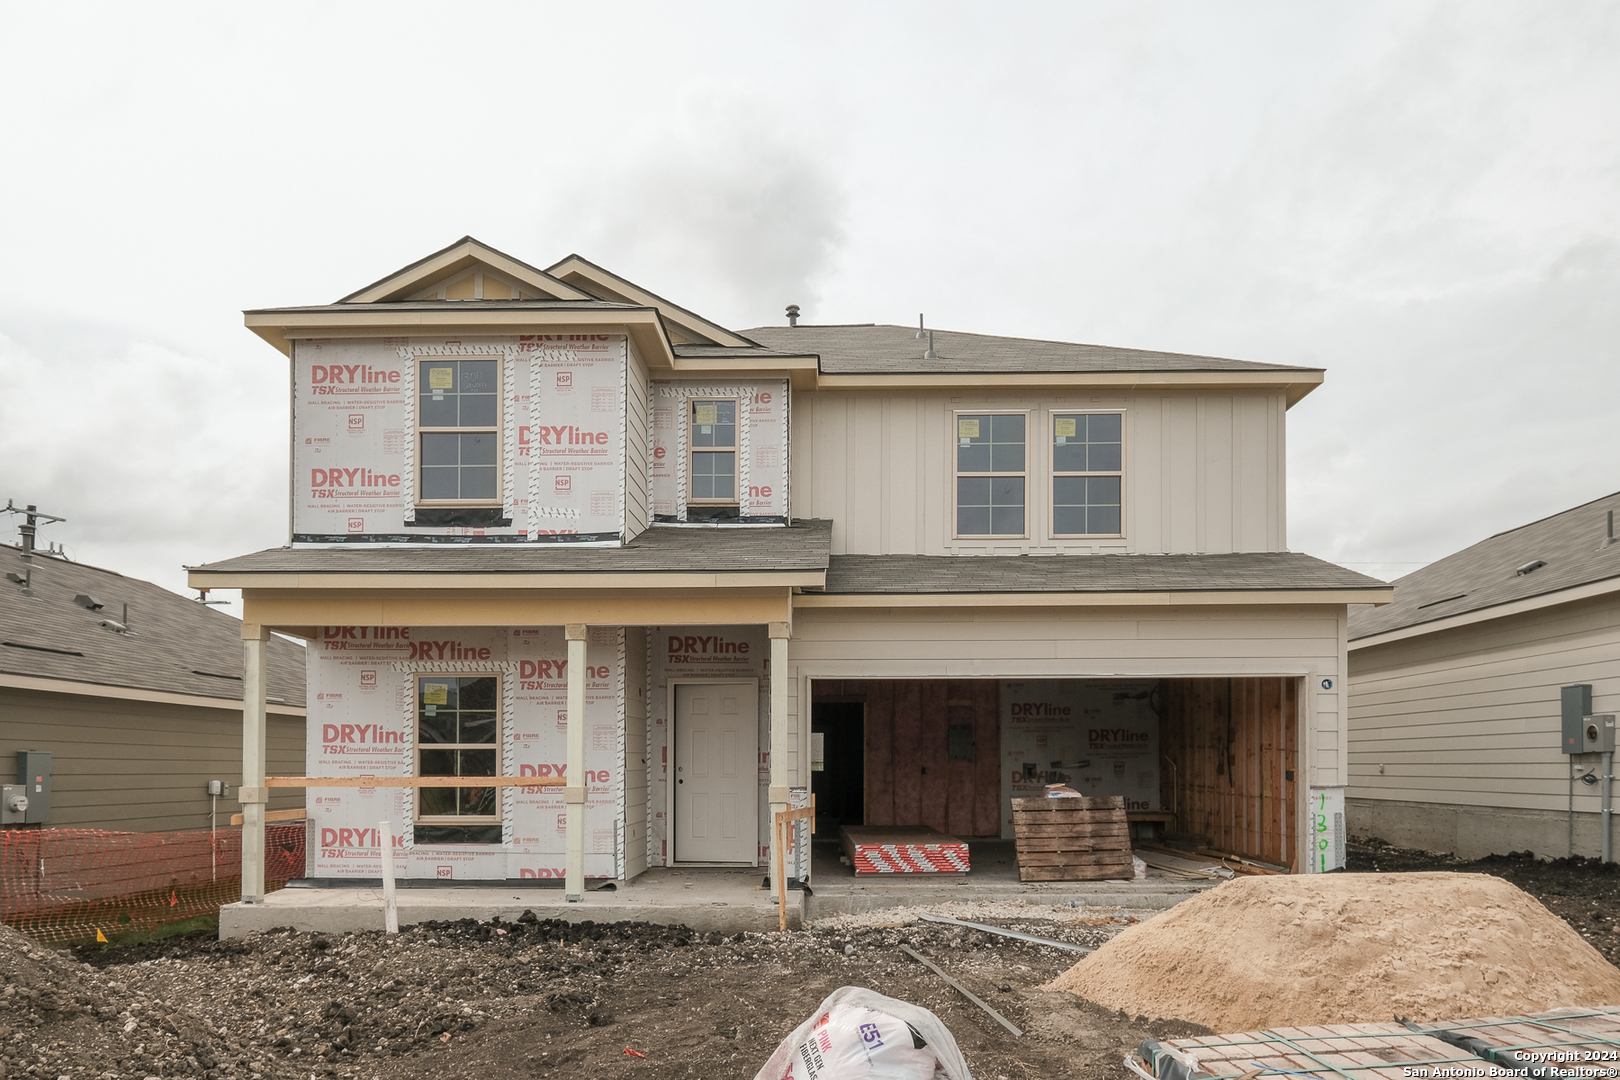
<point x="1320" y="828"/>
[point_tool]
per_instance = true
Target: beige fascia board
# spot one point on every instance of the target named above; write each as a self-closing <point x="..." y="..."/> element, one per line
<point x="306" y="608"/>
<point x="126" y="693"/>
<point x="457" y="258"/>
<point x="1280" y="597"/>
<point x="689" y="321"/>
<point x="563" y="585"/>
<point x="280" y="329"/>
<point x="1571" y="595"/>
<point x="1295" y="383"/>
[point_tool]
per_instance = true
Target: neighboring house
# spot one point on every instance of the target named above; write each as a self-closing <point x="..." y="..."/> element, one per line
<point x="547" y="524"/>
<point x="136" y="694"/>
<point x="1456" y="692"/>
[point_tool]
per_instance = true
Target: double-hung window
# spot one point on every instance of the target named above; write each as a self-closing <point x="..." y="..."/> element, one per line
<point x="711" y="441"/>
<point x="1087" y="464"/>
<point x="458" y="416"/>
<point x="990" y="474"/>
<point x="458" y="733"/>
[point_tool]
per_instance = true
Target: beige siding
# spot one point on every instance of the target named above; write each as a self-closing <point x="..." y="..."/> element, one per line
<point x="139" y="766"/>
<point x="635" y="751"/>
<point x="1470" y="716"/>
<point x="1014" y="643"/>
<point x="1203" y="473"/>
<point x="637" y="446"/>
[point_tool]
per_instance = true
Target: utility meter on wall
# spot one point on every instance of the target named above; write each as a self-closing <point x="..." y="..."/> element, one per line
<point x="1597" y="734"/>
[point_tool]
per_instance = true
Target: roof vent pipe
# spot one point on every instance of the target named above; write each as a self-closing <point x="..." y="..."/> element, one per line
<point x="921" y="332"/>
<point x="1608" y="541"/>
<point x="930" y="354"/>
<point x="793" y="314"/>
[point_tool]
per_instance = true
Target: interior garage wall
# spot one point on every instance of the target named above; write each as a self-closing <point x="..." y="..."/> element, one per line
<point x="1230" y="754"/>
<point x="140" y="766"/>
<point x="910" y="779"/>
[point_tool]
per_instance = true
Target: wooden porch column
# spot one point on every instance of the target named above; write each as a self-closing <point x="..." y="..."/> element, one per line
<point x="781" y="745"/>
<point x="574" y="792"/>
<point x="252" y="792"/>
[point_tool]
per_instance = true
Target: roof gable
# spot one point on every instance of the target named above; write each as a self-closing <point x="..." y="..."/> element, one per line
<point x="466" y="270"/>
<point x="685" y="327"/>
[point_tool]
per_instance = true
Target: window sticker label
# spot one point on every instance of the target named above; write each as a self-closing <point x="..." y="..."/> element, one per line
<point x="705" y="413"/>
<point x="435" y="693"/>
<point x="441" y="378"/>
<point x="968" y="427"/>
<point x="1064" y="427"/>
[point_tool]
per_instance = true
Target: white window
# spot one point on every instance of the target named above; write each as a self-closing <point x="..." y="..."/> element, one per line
<point x="711" y="440"/>
<point x="458" y="733"/>
<point x="991" y="474"/>
<point x="458" y="425"/>
<point x="1087" y="471"/>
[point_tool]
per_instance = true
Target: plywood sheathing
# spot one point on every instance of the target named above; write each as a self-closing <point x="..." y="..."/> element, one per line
<point x="1232" y="745"/>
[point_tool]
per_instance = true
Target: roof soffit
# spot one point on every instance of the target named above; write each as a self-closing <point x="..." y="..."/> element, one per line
<point x="603" y="284"/>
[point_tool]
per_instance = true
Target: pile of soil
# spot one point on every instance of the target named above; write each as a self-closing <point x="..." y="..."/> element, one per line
<point x="1265" y="952"/>
<point x="536" y="998"/>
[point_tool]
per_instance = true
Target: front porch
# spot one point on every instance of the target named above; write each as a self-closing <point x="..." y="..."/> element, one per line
<point x="720" y="899"/>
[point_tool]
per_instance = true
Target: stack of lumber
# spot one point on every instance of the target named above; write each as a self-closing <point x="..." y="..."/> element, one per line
<point x="1076" y="838"/>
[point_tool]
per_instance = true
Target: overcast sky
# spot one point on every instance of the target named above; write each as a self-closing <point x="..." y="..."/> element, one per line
<point x="1422" y="198"/>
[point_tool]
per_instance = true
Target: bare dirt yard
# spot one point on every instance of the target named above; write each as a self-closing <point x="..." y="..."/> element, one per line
<point x="542" y="999"/>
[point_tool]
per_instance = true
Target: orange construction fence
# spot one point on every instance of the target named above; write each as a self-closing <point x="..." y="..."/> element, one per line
<point x="66" y="885"/>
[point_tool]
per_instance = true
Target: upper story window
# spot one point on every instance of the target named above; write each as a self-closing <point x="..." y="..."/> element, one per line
<point x="1087" y="467"/>
<point x="712" y="446"/>
<point x="458" y="734"/>
<point x="991" y="474"/>
<point x="458" y="417"/>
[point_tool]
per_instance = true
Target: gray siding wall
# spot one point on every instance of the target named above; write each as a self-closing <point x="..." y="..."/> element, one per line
<point x="637" y="445"/>
<point x="1202" y="473"/>
<point x="139" y="766"/>
<point x="1469" y="719"/>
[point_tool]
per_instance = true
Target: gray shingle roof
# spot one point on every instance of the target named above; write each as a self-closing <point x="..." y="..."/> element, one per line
<point x="661" y="549"/>
<point x="887" y="349"/>
<point x="392" y="307"/>
<point x="1089" y="573"/>
<point x="173" y="642"/>
<point x="1485" y="574"/>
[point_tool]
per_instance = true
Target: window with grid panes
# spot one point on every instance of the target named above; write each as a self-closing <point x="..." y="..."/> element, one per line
<point x="711" y="439"/>
<point x="990" y="474"/>
<point x="1087" y="469"/>
<point x="458" y="414"/>
<point x="458" y="733"/>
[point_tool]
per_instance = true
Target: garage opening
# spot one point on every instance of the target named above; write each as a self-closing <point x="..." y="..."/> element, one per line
<point x="1207" y="762"/>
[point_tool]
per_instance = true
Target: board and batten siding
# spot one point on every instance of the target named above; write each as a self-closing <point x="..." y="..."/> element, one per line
<point x="1103" y="642"/>
<point x="1203" y="473"/>
<point x="141" y="766"/>
<point x="1470" y="717"/>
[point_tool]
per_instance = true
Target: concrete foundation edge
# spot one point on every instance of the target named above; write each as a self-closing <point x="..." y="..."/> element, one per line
<point x="1473" y="832"/>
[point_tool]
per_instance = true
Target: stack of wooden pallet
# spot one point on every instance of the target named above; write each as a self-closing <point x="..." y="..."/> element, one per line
<point x="1072" y="839"/>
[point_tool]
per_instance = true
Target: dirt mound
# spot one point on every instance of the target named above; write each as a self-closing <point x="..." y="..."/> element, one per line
<point x="1346" y="948"/>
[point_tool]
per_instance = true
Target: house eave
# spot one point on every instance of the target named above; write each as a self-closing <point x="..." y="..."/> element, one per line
<point x="1540" y="602"/>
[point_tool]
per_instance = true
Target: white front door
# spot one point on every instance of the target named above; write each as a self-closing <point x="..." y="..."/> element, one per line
<point x="716" y="778"/>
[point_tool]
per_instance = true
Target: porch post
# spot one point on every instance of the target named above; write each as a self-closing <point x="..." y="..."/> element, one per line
<point x="781" y="744"/>
<point x="252" y="793"/>
<point x="574" y="793"/>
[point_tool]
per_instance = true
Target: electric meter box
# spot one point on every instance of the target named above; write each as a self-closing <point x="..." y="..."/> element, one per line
<point x="34" y="774"/>
<point x="13" y="805"/>
<point x="1576" y="706"/>
<point x="1597" y="733"/>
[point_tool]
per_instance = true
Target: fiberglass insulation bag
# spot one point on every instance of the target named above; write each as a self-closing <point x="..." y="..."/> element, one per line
<point x="858" y="1034"/>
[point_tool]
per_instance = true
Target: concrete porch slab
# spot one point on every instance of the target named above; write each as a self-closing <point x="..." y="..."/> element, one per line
<point x="725" y="900"/>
